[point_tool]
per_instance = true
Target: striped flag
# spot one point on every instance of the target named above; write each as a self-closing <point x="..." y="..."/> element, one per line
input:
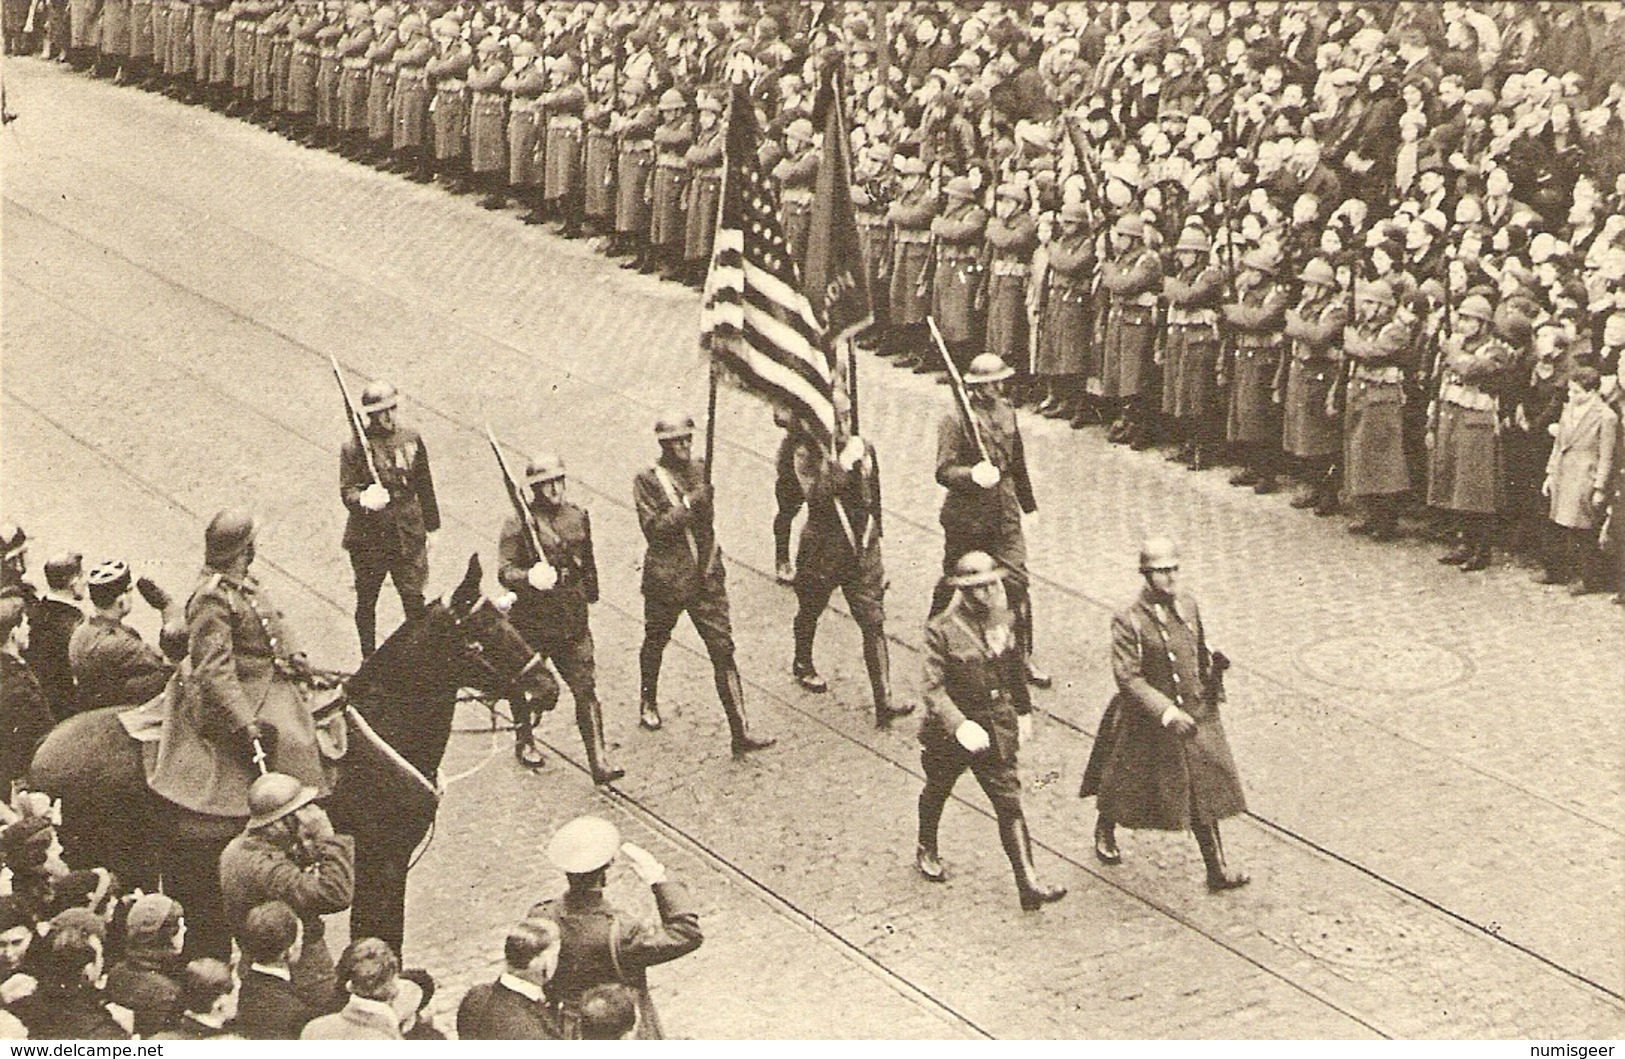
<point x="754" y="317"/>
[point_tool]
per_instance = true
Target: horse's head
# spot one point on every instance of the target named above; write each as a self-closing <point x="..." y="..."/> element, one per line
<point x="490" y="654"/>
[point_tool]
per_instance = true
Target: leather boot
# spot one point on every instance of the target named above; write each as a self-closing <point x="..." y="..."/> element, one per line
<point x="1018" y="846"/>
<point x="732" y="693"/>
<point x="649" y="695"/>
<point x="1106" y="850"/>
<point x="925" y="851"/>
<point x="877" y="659"/>
<point x="1024" y="635"/>
<point x="805" y="628"/>
<point x="590" y="720"/>
<point x="524" y="743"/>
<point x="1220" y="876"/>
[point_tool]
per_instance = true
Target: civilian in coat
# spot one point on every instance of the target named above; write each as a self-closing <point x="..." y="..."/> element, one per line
<point x="1162" y="761"/>
<point x="515" y="1006"/>
<point x="51" y="623"/>
<point x="146" y="979"/>
<point x="1579" y="476"/>
<point x="67" y="1005"/>
<point x="25" y="719"/>
<point x="268" y="1008"/>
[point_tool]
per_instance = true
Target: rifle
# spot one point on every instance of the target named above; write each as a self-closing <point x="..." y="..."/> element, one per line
<point x="1085" y="167"/>
<point x="961" y="398"/>
<point x="516" y="498"/>
<point x="1337" y="400"/>
<point x="1447" y="327"/>
<point x="358" y="433"/>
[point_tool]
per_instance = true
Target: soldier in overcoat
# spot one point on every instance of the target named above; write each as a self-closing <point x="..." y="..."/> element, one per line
<point x="1310" y="433"/>
<point x="1255" y="318"/>
<point x="1378" y="343"/>
<point x="1190" y="349"/>
<point x="1131" y="276"/>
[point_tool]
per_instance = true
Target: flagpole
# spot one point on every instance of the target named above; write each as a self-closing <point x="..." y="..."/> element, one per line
<point x="711" y="422"/>
<point x="852" y="383"/>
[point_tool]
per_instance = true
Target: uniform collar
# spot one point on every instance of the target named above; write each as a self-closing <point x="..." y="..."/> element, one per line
<point x="529" y="990"/>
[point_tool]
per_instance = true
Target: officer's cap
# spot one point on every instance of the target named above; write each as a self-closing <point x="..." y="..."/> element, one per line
<point x="108" y="581"/>
<point x="584" y="845"/>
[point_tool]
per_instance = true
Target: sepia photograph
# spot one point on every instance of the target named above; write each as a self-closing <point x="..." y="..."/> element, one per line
<point x="936" y="520"/>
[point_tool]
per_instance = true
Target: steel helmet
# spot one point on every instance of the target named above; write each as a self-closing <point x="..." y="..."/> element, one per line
<point x="673" y="425"/>
<point x="1193" y="239"/>
<point x="672" y="99"/>
<point x="1319" y="273"/>
<point x="1378" y="290"/>
<point x="1130" y="224"/>
<point x="228" y="535"/>
<point x="547" y="467"/>
<point x="378" y="397"/>
<point x="975" y="568"/>
<point x="1476" y="307"/>
<point x="1158" y="553"/>
<point x="987" y="367"/>
<point x="275" y="795"/>
<point x="584" y="845"/>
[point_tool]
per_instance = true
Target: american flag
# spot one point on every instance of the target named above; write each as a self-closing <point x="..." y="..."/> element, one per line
<point x="754" y="317"/>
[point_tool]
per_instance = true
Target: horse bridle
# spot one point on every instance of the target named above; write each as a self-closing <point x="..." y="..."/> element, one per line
<point x="474" y="651"/>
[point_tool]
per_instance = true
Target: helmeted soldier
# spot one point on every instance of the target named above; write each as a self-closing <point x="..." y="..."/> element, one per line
<point x="1190" y="348"/>
<point x="633" y="126"/>
<point x="527" y="129"/>
<point x="957" y="236"/>
<point x="1467" y="472"/>
<point x="412" y="135"/>
<point x="390" y="519"/>
<point x="553" y="591"/>
<point x="488" y="123"/>
<point x="448" y="73"/>
<point x="1066" y="316"/>
<point x="327" y="74"/>
<point x="1374" y="467"/>
<point x="983" y="465"/>
<point x="1255" y="319"/>
<point x="669" y="185"/>
<point x="910" y="215"/>
<point x="1310" y="433"/>
<point x="840" y="548"/>
<point x="795" y="173"/>
<point x="239" y="697"/>
<point x="383" y="71"/>
<point x="703" y="160"/>
<point x="1131" y="275"/>
<point x="683" y="573"/>
<point x="354" y="74"/>
<point x="562" y="184"/>
<point x="304" y="57"/>
<point x="978" y="713"/>
<point x="1012" y="237"/>
<point x="1162" y="761"/>
<point x="598" y="161"/>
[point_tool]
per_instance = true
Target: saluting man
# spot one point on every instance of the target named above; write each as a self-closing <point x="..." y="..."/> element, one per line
<point x="683" y="573"/>
<point x="553" y="591"/>
<point x="390" y="519"/>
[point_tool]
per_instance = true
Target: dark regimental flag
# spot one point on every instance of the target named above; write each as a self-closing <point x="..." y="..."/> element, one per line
<point x="754" y="318"/>
<point x="835" y="280"/>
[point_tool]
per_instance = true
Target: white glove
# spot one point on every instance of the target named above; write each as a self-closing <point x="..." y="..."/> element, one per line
<point x="852" y="453"/>
<point x="542" y="577"/>
<point x="505" y="602"/>
<point x="1024" y="727"/>
<point x="648" y="869"/>
<point x="985" y="475"/>
<point x="971" y="736"/>
<point x="375" y="497"/>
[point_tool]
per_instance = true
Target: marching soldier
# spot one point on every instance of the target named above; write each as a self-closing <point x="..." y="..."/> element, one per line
<point x="957" y="237"/>
<point x="1190" y="350"/>
<point x="633" y="126"/>
<point x="1309" y="434"/>
<point x="1162" y="761"/>
<point x="983" y="465"/>
<point x="703" y="160"/>
<point x="1065" y="316"/>
<point x="910" y="215"/>
<point x="1467" y="474"/>
<point x="1255" y="319"/>
<point x="1132" y="277"/>
<point x="978" y="713"/>
<point x="669" y="185"/>
<point x="683" y="573"/>
<point x="1374" y="469"/>
<point x="553" y="591"/>
<point x="840" y="548"/>
<point x="562" y="182"/>
<point x="390" y="519"/>
<point x="796" y="174"/>
<point x="488" y="123"/>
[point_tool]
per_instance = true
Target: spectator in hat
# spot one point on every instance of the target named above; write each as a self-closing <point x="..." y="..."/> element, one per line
<point x="146" y="980"/>
<point x="51" y="623"/>
<point x="208" y="1003"/>
<point x="25" y="717"/>
<point x="515" y="1007"/>
<point x="272" y="941"/>
<point x="380" y="1000"/>
<point x="14" y="564"/>
<point x="112" y="665"/>
<point x="589" y="955"/>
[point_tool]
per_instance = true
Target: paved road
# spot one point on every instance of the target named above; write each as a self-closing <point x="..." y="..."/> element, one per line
<point x="1432" y="758"/>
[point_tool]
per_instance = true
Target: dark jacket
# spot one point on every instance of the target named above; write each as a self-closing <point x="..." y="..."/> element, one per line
<point x="268" y="1009"/>
<point x="144" y="982"/>
<point x="72" y="1012"/>
<point x="113" y="666"/>
<point x="412" y="512"/>
<point x="50" y="625"/>
<point x="25" y="719"/>
<point x="682" y="552"/>
<point x="493" y="1011"/>
<point x="560" y="613"/>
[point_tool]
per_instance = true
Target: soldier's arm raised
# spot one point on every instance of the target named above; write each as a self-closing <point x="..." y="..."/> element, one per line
<point x="325" y="887"/>
<point x="677" y="934"/>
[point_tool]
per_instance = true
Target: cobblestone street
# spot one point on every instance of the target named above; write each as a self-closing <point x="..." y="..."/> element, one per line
<point x="1432" y="759"/>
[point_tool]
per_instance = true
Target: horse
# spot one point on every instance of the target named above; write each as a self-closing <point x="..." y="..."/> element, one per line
<point x="398" y="709"/>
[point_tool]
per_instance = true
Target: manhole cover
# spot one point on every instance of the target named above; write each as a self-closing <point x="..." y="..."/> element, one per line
<point x="1372" y="664"/>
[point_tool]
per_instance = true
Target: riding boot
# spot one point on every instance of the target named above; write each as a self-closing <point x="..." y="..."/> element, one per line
<point x="1220" y="876"/>
<point x="1326" y="490"/>
<point x="590" y="720"/>
<point x="1018" y="846"/>
<point x="1106" y="840"/>
<point x="805" y="629"/>
<point x="649" y="683"/>
<point x="1024" y="636"/>
<point x="366" y="627"/>
<point x="732" y="693"/>
<point x="932" y="802"/>
<point x="877" y="659"/>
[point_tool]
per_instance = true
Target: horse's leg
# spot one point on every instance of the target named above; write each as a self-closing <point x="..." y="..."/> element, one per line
<point x="379" y="907"/>
<point x="189" y="859"/>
